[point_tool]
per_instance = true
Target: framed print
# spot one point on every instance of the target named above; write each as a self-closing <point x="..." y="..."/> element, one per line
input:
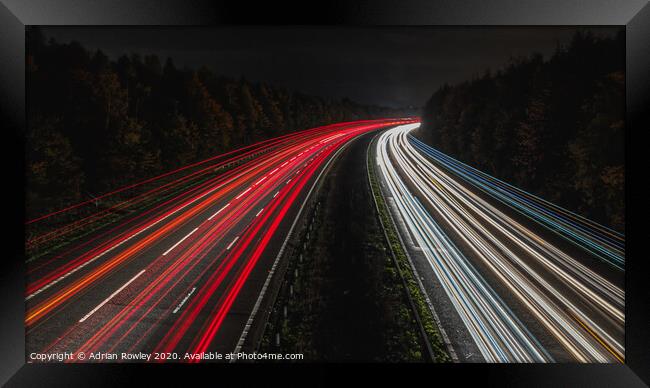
<point x="434" y="188"/>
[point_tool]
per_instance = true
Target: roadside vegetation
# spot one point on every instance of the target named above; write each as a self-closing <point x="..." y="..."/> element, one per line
<point x="552" y="126"/>
<point x="406" y="271"/>
<point x="96" y="123"/>
<point x="342" y="298"/>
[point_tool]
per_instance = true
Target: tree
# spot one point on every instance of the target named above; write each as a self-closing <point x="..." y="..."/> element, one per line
<point x="528" y="139"/>
<point x="214" y="124"/>
<point x="54" y="177"/>
<point x="118" y="120"/>
<point x="273" y="120"/>
<point x="180" y="142"/>
<point x="553" y="127"/>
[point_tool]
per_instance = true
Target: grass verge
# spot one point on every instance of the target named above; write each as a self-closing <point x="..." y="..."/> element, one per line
<point x="425" y="316"/>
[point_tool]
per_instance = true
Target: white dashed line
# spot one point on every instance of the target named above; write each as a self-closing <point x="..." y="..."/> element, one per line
<point x="232" y="243"/>
<point x="110" y="297"/>
<point x="180" y="241"/>
<point x="183" y="301"/>
<point x="242" y="194"/>
<point x="45" y="287"/>
<point x="218" y="211"/>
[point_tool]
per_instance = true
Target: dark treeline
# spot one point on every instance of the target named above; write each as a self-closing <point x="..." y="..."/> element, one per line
<point x="552" y="127"/>
<point x="95" y="124"/>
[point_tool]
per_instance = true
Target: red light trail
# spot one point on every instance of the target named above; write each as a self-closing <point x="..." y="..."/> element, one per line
<point x="168" y="277"/>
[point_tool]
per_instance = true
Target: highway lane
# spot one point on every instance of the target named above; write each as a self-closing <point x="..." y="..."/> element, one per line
<point x="184" y="277"/>
<point x="601" y="242"/>
<point x="496" y="270"/>
<point x="86" y="219"/>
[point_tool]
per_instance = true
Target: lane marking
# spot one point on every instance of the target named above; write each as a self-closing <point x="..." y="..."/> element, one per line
<point x="180" y="241"/>
<point x="242" y="194"/>
<point x="232" y="243"/>
<point x="184" y="300"/>
<point x="60" y="278"/>
<point x="258" y="213"/>
<point x="218" y="211"/>
<point x="260" y="181"/>
<point x="289" y="180"/>
<point x="110" y="297"/>
<point x="262" y="293"/>
<point x="276" y="194"/>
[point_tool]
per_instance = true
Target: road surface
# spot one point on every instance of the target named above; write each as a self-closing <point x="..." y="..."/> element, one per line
<point x="524" y="276"/>
<point x="180" y="277"/>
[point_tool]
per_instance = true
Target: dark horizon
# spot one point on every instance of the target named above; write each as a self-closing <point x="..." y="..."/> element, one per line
<point x="393" y="67"/>
<point x="185" y="184"/>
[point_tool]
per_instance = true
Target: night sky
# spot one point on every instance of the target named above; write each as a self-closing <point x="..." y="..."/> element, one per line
<point x="390" y="66"/>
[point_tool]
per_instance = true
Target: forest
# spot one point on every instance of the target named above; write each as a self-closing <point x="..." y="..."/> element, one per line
<point x="96" y="123"/>
<point x="552" y="126"/>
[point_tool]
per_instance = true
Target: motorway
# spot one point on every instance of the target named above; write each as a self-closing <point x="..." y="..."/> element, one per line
<point x="182" y="274"/>
<point x="530" y="281"/>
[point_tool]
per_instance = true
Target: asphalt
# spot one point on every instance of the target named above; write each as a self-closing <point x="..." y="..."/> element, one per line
<point x="459" y="339"/>
<point x="61" y="330"/>
<point x="458" y="335"/>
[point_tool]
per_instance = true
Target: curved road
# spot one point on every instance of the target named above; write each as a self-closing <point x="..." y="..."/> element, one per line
<point x="516" y="288"/>
<point x="183" y="275"/>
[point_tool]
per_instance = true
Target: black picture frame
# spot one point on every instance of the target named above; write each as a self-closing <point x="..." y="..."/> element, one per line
<point x="16" y="14"/>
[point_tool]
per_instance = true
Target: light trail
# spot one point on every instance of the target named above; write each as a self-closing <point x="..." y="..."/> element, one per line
<point x="576" y="306"/>
<point x="604" y="243"/>
<point x="189" y="284"/>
